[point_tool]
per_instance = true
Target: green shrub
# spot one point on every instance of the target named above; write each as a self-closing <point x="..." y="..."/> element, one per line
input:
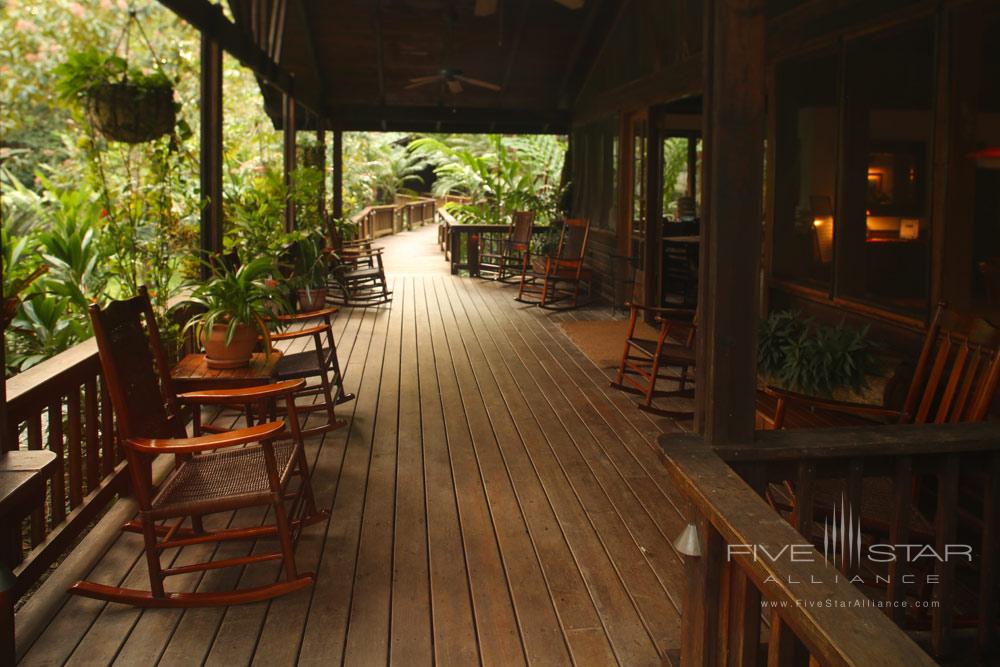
<point x="812" y="358"/>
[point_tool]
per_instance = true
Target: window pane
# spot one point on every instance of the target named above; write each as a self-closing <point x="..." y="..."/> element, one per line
<point x="884" y="232"/>
<point x="805" y="187"/>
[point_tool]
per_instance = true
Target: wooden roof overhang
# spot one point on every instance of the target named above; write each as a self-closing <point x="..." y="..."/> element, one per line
<point x="349" y="62"/>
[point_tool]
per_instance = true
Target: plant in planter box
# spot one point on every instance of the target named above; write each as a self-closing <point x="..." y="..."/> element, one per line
<point x="309" y="272"/>
<point x="800" y="355"/>
<point x="238" y="303"/>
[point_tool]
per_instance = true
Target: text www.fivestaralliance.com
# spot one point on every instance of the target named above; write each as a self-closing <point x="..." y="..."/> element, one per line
<point x="851" y="604"/>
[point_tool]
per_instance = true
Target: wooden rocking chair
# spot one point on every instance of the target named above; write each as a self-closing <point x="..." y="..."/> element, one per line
<point x="559" y="278"/>
<point x="646" y="361"/>
<point x="219" y="472"/>
<point x="358" y="278"/>
<point x="510" y="260"/>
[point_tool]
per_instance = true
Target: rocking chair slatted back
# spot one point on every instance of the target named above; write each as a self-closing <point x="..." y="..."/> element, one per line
<point x="135" y="368"/>
<point x="957" y="372"/>
<point x="573" y="242"/>
<point x="520" y="233"/>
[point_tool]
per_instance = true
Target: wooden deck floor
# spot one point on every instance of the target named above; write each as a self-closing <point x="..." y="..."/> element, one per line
<point x="492" y="501"/>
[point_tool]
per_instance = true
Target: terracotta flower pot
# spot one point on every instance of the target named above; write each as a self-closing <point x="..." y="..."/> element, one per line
<point x="313" y="299"/>
<point x="234" y="355"/>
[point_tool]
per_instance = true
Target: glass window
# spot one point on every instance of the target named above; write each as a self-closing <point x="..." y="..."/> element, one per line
<point x="806" y="182"/>
<point x="884" y="229"/>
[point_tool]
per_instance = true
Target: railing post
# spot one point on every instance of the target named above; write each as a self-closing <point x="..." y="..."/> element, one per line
<point x="473" y="254"/>
<point x="700" y="612"/>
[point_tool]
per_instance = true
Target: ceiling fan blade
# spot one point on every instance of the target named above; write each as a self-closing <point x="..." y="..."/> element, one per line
<point x="482" y="84"/>
<point x="454" y="85"/>
<point x="485" y="7"/>
<point x="572" y="4"/>
<point x="424" y="81"/>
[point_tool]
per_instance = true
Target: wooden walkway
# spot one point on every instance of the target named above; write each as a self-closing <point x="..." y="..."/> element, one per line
<point x="492" y="501"/>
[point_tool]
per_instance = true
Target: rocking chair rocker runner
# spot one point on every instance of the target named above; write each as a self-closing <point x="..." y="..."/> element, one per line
<point x="214" y="473"/>
<point x="560" y="277"/>
<point x="645" y="361"/>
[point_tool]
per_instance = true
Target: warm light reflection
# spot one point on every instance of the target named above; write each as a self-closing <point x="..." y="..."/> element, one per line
<point x="818" y="222"/>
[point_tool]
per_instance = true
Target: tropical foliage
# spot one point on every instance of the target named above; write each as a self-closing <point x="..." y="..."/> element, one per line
<point x="803" y="355"/>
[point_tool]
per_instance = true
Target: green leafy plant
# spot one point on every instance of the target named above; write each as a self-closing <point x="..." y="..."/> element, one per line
<point x="310" y="268"/>
<point x="86" y="71"/>
<point x="238" y="297"/>
<point x="811" y="358"/>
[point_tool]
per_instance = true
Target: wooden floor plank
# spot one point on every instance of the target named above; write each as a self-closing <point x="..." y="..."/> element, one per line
<point x="496" y="623"/>
<point x="539" y="625"/>
<point x="571" y="493"/>
<point x="326" y="628"/>
<point x="451" y="599"/>
<point x="368" y="626"/>
<point x="410" y="635"/>
<point x="563" y="580"/>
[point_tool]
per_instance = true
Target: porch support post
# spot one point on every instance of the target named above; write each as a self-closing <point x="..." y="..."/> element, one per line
<point x="211" y="149"/>
<point x="288" y="122"/>
<point x="321" y="150"/>
<point x="338" y="174"/>
<point x="729" y="285"/>
<point x="4" y="445"/>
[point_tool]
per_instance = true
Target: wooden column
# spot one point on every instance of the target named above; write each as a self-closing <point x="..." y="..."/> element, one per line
<point x="211" y="149"/>
<point x="338" y="174"/>
<point x="321" y="143"/>
<point x="4" y="446"/>
<point x="288" y="122"/>
<point x="729" y="285"/>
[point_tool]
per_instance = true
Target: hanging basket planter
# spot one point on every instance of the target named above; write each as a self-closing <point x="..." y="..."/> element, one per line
<point x="131" y="113"/>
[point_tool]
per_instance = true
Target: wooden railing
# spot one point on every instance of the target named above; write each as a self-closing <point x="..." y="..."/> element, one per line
<point x="62" y="405"/>
<point x="407" y="213"/>
<point x="474" y="248"/>
<point x="882" y="477"/>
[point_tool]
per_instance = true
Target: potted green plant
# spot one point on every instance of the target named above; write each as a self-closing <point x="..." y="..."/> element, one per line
<point x="309" y="273"/>
<point x="123" y="103"/>
<point x="238" y="303"/>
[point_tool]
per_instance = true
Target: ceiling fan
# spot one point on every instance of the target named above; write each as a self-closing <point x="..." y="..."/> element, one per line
<point x="453" y="78"/>
<point x="489" y="7"/>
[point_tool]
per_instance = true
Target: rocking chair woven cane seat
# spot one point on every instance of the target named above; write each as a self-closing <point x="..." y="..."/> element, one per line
<point x="226" y="479"/>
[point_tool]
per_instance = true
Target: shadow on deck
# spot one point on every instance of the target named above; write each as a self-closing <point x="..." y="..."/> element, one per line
<point x="492" y="500"/>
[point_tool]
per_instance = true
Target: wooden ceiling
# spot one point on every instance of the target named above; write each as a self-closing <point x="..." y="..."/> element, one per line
<point x="358" y="57"/>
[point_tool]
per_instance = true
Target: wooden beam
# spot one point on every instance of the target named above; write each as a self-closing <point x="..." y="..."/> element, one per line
<point x="209" y="19"/>
<point x="288" y="114"/>
<point x="360" y="118"/>
<point x="515" y="45"/>
<point x="338" y="174"/>
<point x="211" y="149"/>
<point x="728" y="290"/>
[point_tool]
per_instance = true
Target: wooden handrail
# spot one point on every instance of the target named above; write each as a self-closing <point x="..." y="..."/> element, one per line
<point x="878" y="470"/>
<point x="831" y="617"/>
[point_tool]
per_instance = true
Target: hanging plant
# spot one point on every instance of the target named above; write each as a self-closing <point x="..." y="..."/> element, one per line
<point x="122" y="102"/>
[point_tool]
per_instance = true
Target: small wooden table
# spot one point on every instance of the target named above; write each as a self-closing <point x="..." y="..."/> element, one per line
<point x="22" y="489"/>
<point x="193" y="374"/>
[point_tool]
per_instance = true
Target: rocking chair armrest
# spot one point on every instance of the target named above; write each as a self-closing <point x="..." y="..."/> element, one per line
<point x="857" y="409"/>
<point x="204" y="443"/>
<point x="300" y="333"/>
<point x="310" y="315"/>
<point x="242" y="394"/>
